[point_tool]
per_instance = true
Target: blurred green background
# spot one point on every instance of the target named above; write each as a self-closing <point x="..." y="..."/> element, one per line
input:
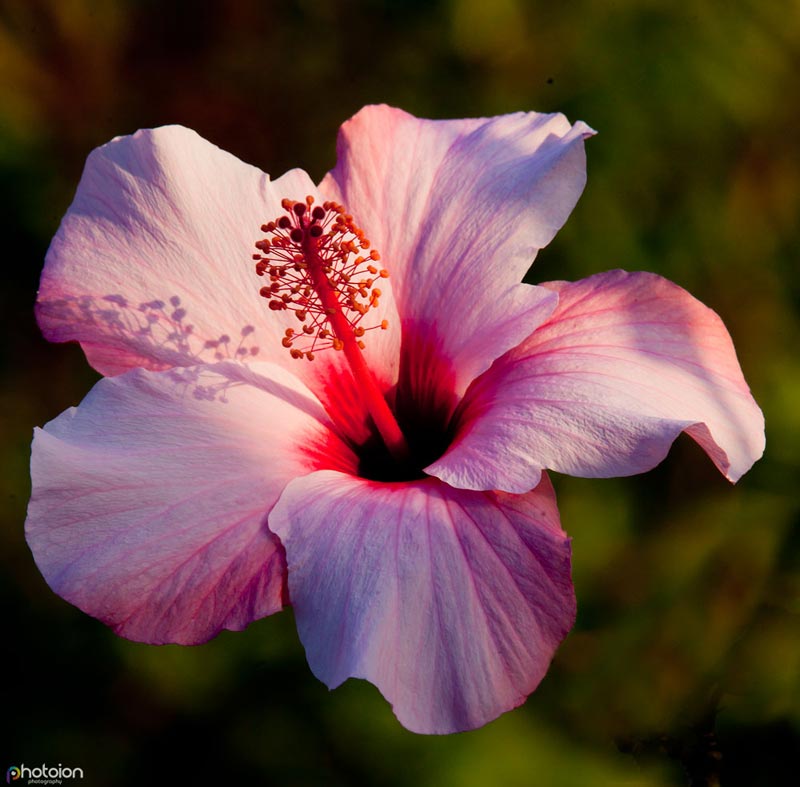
<point x="685" y="661"/>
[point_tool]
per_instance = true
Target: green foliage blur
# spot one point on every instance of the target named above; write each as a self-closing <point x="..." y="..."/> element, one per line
<point x="684" y="666"/>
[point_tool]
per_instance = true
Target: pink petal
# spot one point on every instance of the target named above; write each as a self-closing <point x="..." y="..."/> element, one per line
<point x="150" y="499"/>
<point x="152" y="265"/>
<point x="451" y="602"/>
<point x="626" y="363"/>
<point x="458" y="210"/>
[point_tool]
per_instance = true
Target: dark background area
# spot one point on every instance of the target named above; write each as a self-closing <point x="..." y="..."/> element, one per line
<point x="686" y="655"/>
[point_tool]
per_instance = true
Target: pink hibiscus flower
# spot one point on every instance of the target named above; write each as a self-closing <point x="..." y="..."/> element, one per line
<point x="233" y="460"/>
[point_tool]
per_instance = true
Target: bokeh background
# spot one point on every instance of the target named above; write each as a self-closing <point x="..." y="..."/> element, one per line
<point x="684" y="666"/>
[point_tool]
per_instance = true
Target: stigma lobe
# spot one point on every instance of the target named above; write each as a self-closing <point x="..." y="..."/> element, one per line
<point x="319" y="267"/>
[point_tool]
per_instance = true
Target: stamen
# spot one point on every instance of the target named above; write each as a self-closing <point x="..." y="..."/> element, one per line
<point x="319" y="268"/>
<point x="324" y="238"/>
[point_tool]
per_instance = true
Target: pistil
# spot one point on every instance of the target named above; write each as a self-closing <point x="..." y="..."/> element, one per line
<point x="316" y="269"/>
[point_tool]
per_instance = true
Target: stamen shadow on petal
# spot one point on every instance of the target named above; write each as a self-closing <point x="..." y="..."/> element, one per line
<point x="155" y="334"/>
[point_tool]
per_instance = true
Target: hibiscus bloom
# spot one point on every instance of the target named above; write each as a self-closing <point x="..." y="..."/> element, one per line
<point x="361" y="434"/>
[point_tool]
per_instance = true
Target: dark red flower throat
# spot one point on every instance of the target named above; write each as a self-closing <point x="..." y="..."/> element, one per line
<point x="320" y="268"/>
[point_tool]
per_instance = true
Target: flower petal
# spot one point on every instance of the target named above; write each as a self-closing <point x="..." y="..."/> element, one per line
<point x="626" y="363"/>
<point x="152" y="265"/>
<point x="452" y="603"/>
<point x="458" y="210"/>
<point x="150" y="499"/>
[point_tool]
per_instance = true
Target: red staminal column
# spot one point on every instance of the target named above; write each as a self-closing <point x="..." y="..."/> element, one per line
<point x="313" y="257"/>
